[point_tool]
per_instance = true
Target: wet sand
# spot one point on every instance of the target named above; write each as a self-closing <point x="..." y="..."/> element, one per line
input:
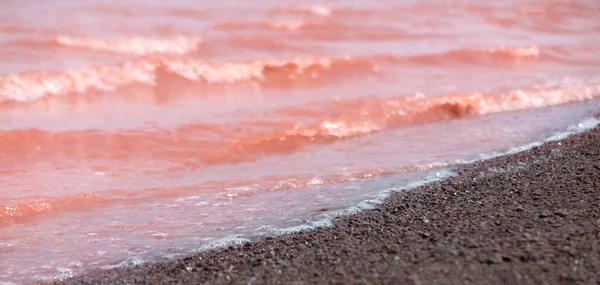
<point x="527" y="218"/>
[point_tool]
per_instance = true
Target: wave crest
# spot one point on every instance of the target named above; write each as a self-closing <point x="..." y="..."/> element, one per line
<point x="34" y="85"/>
<point x="21" y="213"/>
<point x="132" y="46"/>
<point x="31" y="86"/>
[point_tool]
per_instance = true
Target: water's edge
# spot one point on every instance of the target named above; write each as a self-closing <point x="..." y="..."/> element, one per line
<point x="326" y="219"/>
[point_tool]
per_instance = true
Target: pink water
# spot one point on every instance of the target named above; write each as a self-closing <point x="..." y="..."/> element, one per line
<point x="138" y="130"/>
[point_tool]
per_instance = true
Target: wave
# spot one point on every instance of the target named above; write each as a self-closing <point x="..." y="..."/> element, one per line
<point x="278" y="25"/>
<point x="14" y="29"/>
<point x="503" y="54"/>
<point x="260" y="43"/>
<point x="323" y="30"/>
<point x="129" y="144"/>
<point x="35" y="85"/>
<point x="135" y="46"/>
<point x="543" y="16"/>
<point x="32" y="86"/>
<point x="199" y="145"/>
<point x="193" y="13"/>
<point x="319" y="10"/>
<point x="546" y="16"/>
<point x="22" y="213"/>
<point x="366" y="116"/>
<point x="336" y="11"/>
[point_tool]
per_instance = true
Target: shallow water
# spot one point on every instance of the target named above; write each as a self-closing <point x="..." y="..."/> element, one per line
<point x="137" y="130"/>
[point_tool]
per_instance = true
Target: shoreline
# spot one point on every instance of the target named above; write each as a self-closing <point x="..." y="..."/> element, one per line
<point x="531" y="217"/>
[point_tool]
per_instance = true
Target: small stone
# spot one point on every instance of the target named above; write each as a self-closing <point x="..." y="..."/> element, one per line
<point x="495" y="259"/>
<point x="545" y="214"/>
<point x="340" y="271"/>
<point x="454" y="252"/>
<point x="531" y="256"/>
<point x="257" y="261"/>
<point x="506" y="258"/>
<point x="561" y="212"/>
<point x="530" y="237"/>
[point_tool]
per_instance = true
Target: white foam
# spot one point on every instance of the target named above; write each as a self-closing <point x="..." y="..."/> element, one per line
<point x="160" y="235"/>
<point x="315" y="182"/>
<point x="220" y="243"/>
<point x="319" y="10"/>
<point x="63" y="273"/>
<point x="383" y="195"/>
<point x="322" y="223"/>
<point x="240" y="189"/>
<point x="129" y="262"/>
<point x="75" y="264"/>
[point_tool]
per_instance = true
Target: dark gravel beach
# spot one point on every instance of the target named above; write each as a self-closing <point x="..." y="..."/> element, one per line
<point x="527" y="218"/>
